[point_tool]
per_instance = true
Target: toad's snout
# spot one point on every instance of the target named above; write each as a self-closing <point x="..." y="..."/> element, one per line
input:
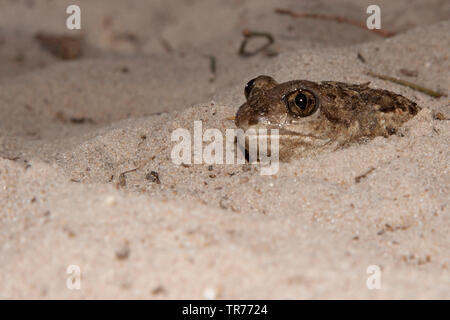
<point x="247" y="117"/>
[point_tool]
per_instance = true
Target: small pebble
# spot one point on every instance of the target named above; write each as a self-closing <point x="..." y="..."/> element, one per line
<point x="123" y="253"/>
<point x="209" y="294"/>
<point x="110" y="201"/>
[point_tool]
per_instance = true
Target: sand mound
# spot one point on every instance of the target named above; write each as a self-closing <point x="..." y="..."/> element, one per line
<point x="86" y="176"/>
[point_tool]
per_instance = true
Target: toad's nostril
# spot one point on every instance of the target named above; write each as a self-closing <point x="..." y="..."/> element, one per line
<point x="257" y="118"/>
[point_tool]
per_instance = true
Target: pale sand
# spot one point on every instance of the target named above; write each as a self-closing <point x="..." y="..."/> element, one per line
<point x="223" y="232"/>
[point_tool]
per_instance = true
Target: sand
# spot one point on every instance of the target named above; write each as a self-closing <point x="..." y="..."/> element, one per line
<point x="69" y="129"/>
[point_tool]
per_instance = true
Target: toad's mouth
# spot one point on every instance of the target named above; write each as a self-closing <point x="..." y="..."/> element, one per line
<point x="283" y="133"/>
<point x="284" y="138"/>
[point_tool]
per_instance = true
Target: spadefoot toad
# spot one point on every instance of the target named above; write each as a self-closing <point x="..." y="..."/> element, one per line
<point x="315" y="116"/>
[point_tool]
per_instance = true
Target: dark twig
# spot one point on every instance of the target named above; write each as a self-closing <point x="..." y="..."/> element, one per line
<point x="212" y="66"/>
<point x="364" y="175"/>
<point x="408" y="84"/>
<point x="339" y="19"/>
<point x="122" y="179"/>
<point x="361" y="58"/>
<point x="251" y="34"/>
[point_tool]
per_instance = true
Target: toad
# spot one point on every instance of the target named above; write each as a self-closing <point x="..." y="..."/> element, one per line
<point x="316" y="116"/>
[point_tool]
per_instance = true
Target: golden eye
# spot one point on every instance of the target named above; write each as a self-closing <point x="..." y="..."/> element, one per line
<point x="301" y="103"/>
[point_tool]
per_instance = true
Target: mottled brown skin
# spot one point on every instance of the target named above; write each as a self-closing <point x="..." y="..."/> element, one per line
<point x="344" y="113"/>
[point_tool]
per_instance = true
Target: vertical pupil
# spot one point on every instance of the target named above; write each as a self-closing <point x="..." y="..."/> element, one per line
<point x="301" y="101"/>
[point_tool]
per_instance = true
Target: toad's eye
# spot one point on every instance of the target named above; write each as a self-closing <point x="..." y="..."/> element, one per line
<point x="301" y="103"/>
